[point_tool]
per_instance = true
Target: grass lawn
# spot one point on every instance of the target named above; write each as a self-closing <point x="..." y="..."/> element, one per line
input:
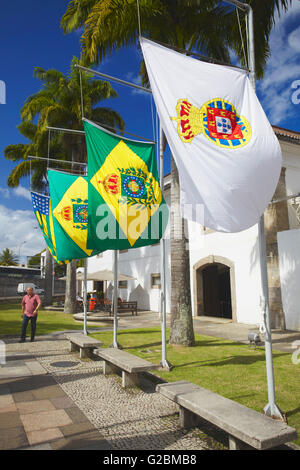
<point x="223" y="366"/>
<point x="48" y="321"/>
<point x="228" y="368"/>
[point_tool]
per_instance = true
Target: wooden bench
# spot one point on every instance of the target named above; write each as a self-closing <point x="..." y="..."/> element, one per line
<point x="128" y="307"/>
<point x="245" y="427"/>
<point x="85" y="344"/>
<point x="125" y="307"/>
<point x="131" y="366"/>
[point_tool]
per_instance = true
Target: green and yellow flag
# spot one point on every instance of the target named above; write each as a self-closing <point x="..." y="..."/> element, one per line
<point x="42" y="209"/>
<point x="69" y="196"/>
<point x="126" y="207"/>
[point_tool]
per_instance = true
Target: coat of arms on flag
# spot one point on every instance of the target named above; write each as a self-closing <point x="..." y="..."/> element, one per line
<point x="227" y="155"/>
<point x="217" y="119"/>
<point x="123" y="180"/>
<point x="69" y="194"/>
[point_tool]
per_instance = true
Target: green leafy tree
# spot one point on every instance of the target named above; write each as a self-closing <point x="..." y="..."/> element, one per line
<point x="8" y="258"/>
<point x="58" y="104"/>
<point x="208" y="26"/>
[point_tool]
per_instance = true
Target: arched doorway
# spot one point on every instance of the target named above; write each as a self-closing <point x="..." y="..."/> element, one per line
<point x="214" y="288"/>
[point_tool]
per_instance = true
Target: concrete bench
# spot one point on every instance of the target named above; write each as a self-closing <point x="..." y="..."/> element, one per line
<point x="85" y="344"/>
<point x="131" y="366"/>
<point x="245" y="427"/>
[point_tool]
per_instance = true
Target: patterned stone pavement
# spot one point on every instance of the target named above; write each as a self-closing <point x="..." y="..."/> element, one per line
<point x="51" y="399"/>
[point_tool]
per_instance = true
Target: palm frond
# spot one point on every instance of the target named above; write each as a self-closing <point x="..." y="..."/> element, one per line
<point x="15" y="152"/>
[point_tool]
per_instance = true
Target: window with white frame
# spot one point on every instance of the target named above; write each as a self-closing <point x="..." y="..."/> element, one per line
<point x="155" y="281"/>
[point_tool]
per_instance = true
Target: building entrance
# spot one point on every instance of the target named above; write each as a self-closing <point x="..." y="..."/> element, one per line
<point x="214" y="288"/>
<point x="216" y="291"/>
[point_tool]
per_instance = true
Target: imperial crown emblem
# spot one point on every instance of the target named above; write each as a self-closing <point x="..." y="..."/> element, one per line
<point x="112" y="184"/>
<point x="66" y="213"/>
<point x="217" y="119"/>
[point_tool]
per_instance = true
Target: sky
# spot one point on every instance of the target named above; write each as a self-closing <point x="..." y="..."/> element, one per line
<point x="30" y="36"/>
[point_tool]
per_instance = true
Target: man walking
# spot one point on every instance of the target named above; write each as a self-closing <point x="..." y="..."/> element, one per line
<point x="30" y="306"/>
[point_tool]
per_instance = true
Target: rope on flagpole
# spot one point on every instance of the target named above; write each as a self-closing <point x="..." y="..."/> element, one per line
<point x="247" y="38"/>
<point x="30" y="174"/>
<point x="243" y="45"/>
<point x="81" y="94"/>
<point x="139" y="17"/>
<point x="153" y="125"/>
<point x="49" y="133"/>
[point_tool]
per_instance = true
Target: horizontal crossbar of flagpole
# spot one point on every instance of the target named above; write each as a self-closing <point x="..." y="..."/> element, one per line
<point x="242" y="6"/>
<point x="61" y="129"/>
<point x="292" y="196"/>
<point x="109" y="77"/>
<point x="56" y="160"/>
<point x="204" y="58"/>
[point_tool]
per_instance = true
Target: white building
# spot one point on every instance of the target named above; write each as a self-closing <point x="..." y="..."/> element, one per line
<point x="224" y="268"/>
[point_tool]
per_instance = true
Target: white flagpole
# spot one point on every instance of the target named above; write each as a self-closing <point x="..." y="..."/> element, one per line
<point x="164" y="362"/>
<point x="85" y="297"/>
<point x="115" y="343"/>
<point x="271" y="409"/>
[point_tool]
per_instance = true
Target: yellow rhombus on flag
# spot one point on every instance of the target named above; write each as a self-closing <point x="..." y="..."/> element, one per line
<point x="69" y="195"/>
<point x="124" y="192"/>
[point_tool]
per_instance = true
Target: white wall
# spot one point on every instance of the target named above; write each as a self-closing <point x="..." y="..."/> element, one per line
<point x="241" y="249"/>
<point x="289" y="267"/>
<point x="291" y="162"/>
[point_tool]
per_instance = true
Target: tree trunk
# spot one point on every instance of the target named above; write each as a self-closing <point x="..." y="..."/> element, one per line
<point x="182" y="331"/>
<point x="70" y="297"/>
<point x="48" y="278"/>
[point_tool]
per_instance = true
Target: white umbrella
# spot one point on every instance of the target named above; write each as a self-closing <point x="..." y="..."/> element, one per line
<point x="104" y="275"/>
<point x="107" y="275"/>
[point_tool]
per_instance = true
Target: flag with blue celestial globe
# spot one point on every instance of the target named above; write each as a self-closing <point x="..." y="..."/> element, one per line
<point x="126" y="208"/>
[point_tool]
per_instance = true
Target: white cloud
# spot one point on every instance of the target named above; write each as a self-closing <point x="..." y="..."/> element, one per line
<point x="18" y="226"/>
<point x="19" y="191"/>
<point x="4" y="192"/>
<point x="283" y="68"/>
<point x="136" y="80"/>
<point x="294" y="39"/>
<point x="23" y="192"/>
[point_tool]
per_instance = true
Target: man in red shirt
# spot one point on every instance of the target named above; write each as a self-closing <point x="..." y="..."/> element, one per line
<point x="30" y="306"/>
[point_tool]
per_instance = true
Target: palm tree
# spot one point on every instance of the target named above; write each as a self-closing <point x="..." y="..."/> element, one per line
<point x="58" y="104"/>
<point x="208" y="27"/>
<point x="8" y="258"/>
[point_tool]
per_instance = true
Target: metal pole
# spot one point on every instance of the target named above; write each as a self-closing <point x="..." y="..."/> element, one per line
<point x="72" y="131"/>
<point x="164" y="362"/>
<point x="115" y="343"/>
<point x="53" y="276"/>
<point x="271" y="408"/>
<point x="56" y="160"/>
<point x="118" y="80"/>
<point x="85" y="297"/>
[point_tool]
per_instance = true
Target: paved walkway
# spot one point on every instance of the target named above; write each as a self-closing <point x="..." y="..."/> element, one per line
<point x="52" y="399"/>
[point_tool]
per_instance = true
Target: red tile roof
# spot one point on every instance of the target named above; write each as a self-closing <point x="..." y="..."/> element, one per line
<point x="287" y="135"/>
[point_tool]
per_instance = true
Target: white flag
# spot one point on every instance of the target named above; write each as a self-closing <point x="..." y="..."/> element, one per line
<point x="227" y="155"/>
